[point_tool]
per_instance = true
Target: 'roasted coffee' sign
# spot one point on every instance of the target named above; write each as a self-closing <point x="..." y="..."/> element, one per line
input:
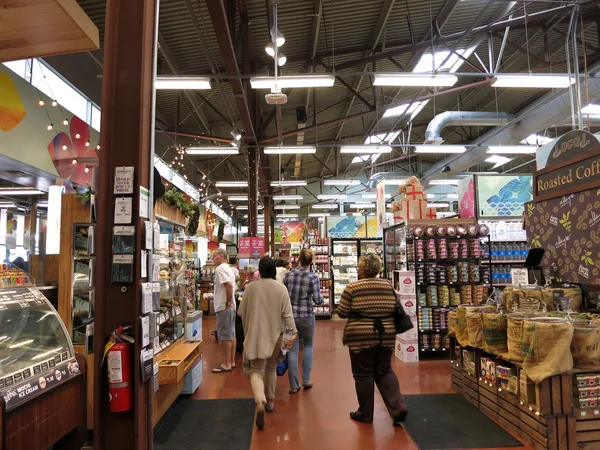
<point x="574" y="175"/>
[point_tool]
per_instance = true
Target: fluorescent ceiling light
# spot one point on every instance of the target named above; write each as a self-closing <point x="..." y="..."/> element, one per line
<point x="592" y="108"/>
<point x="241" y="208"/>
<point x="409" y="79"/>
<point x="287" y="216"/>
<point x="512" y="149"/>
<point x="438" y="205"/>
<point x="318" y="214"/>
<point x="440" y="149"/>
<point x="8" y="205"/>
<point x="20" y="191"/>
<point x="324" y="206"/>
<point x="393" y="182"/>
<point x="288" y="183"/>
<point x="290" y="150"/>
<point x="212" y="151"/>
<point x="237" y="198"/>
<point x="231" y="184"/>
<point x="454" y="196"/>
<point x="443" y="182"/>
<point x="365" y="149"/>
<point x="288" y="197"/>
<point x="332" y="197"/>
<point x="287" y="207"/>
<point x="453" y="62"/>
<point x="536" y="139"/>
<point x="295" y="81"/>
<point x="374" y="196"/>
<point x="382" y="138"/>
<point x="430" y="195"/>
<point x="533" y="81"/>
<point x="405" y="108"/>
<point x="341" y="182"/>
<point x="362" y="205"/>
<point x="498" y="160"/>
<point x="177" y="82"/>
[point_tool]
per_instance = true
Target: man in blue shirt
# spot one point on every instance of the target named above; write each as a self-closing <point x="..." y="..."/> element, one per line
<point x="305" y="290"/>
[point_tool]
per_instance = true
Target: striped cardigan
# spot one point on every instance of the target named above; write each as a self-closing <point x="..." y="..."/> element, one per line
<point x="373" y="297"/>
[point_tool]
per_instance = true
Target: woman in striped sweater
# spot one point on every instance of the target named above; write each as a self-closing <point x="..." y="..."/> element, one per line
<point x="370" y="334"/>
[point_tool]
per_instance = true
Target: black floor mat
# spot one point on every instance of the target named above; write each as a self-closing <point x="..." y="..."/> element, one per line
<point x="207" y="425"/>
<point x="448" y="421"/>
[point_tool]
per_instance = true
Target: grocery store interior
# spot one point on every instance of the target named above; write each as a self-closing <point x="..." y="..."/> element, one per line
<point x="456" y="140"/>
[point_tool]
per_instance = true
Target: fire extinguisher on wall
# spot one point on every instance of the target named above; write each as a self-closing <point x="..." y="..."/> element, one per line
<point x="120" y="370"/>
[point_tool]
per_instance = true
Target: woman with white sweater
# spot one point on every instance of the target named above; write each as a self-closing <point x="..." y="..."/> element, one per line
<point x="266" y="311"/>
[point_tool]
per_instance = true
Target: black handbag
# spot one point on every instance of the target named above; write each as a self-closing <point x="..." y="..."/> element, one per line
<point x="402" y="320"/>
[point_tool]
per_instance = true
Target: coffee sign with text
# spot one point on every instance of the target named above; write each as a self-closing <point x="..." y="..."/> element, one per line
<point x="573" y="166"/>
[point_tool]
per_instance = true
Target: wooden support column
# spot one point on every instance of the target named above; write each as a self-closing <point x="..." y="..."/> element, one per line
<point x="252" y="191"/>
<point x="127" y="128"/>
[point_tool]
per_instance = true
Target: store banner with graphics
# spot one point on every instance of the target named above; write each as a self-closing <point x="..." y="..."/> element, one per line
<point x="502" y="195"/>
<point x="381" y="216"/>
<point x="24" y="134"/>
<point x="289" y="232"/>
<point x="466" y="197"/>
<point x="346" y="227"/>
<point x="251" y="247"/>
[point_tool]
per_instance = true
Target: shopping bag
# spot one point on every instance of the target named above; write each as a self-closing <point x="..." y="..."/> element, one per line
<point x="282" y="367"/>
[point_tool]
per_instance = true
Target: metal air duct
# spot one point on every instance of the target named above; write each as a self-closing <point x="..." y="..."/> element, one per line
<point x="463" y="118"/>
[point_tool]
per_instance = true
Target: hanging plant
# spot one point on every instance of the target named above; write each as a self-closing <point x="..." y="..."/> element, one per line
<point x="194" y="219"/>
<point x="86" y="196"/>
<point x="175" y="198"/>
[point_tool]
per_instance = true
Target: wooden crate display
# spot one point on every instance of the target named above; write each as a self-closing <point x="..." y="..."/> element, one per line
<point x="587" y="419"/>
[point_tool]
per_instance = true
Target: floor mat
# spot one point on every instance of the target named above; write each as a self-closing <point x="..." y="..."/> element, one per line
<point x="206" y="425"/>
<point x="448" y="421"/>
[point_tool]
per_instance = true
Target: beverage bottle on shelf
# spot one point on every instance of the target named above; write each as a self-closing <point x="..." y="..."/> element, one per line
<point x="507" y="278"/>
<point x="494" y="251"/>
<point x="289" y="332"/>
<point x="501" y="251"/>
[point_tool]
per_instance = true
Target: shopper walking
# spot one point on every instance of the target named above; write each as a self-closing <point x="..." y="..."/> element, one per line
<point x="236" y="273"/>
<point x="264" y="309"/>
<point x="304" y="289"/>
<point x="281" y="270"/>
<point x="224" y="305"/>
<point x="369" y="305"/>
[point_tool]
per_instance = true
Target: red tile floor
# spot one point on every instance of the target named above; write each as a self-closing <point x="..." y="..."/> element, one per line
<point x="318" y="418"/>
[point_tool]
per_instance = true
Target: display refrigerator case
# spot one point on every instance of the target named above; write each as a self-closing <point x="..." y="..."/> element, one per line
<point x="83" y="285"/>
<point x="36" y="353"/>
<point x="344" y="261"/>
<point x="398" y="250"/>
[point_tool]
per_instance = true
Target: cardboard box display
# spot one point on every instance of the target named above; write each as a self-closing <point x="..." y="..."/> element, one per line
<point x="409" y="303"/>
<point x="410" y="335"/>
<point x="468" y="358"/>
<point x="406" y="282"/>
<point x="409" y="351"/>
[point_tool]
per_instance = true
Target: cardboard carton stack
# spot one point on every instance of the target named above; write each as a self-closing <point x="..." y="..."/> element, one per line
<point x="413" y="203"/>
<point x="407" y="344"/>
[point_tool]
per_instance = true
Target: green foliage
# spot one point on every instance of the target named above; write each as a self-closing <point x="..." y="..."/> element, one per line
<point x="175" y="198"/>
<point x="86" y="197"/>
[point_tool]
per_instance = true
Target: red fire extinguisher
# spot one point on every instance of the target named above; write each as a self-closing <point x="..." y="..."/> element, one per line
<point x="119" y="366"/>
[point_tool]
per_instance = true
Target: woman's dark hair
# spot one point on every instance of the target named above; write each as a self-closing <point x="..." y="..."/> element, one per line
<point x="232" y="260"/>
<point x="266" y="268"/>
<point x="279" y="262"/>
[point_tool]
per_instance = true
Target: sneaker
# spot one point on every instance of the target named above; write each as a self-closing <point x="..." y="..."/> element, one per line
<point x="260" y="416"/>
<point x="269" y="407"/>
<point x="307" y="385"/>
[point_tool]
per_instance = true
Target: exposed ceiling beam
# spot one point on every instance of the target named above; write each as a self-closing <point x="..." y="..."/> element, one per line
<point x="218" y="16"/>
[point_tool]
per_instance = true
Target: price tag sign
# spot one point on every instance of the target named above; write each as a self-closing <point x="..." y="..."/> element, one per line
<point x="519" y="276"/>
<point x="124" y="180"/>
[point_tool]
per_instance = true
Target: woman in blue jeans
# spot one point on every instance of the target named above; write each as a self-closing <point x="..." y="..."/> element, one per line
<point x="304" y="289"/>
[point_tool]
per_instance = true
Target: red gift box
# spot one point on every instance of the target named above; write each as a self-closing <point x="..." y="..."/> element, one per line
<point x="414" y="193"/>
<point x="411" y="209"/>
<point x="430" y="213"/>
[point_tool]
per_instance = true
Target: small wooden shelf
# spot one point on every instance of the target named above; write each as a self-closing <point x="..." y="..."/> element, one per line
<point x="177" y="360"/>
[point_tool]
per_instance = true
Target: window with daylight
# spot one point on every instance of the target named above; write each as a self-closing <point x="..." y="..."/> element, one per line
<point x="536" y="139"/>
<point x="366" y="158"/>
<point x="454" y="62"/>
<point x="406" y="108"/>
<point x="96" y="115"/>
<point x="592" y="108"/>
<point x="383" y="138"/>
<point x="498" y="160"/>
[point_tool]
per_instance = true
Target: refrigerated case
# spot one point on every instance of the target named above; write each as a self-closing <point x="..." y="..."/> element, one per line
<point x="397" y="250"/>
<point x="344" y="261"/>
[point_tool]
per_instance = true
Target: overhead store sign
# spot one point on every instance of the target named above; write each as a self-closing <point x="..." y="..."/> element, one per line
<point x="570" y="145"/>
<point x="574" y="175"/>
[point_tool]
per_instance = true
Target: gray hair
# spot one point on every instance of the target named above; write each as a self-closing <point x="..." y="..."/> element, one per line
<point x="250" y="269"/>
<point x="221" y="252"/>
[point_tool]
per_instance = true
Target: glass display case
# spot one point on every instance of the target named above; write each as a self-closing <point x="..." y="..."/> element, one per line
<point x="83" y="285"/>
<point x="172" y="279"/>
<point x="397" y="249"/>
<point x="36" y="352"/>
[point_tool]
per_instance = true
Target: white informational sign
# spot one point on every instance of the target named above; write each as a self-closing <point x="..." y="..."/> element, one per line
<point x="519" y="276"/>
<point x="144" y="202"/>
<point x="147" y="300"/>
<point x="124" y="180"/>
<point x="144" y="264"/>
<point x="123" y="210"/>
<point x="146" y="332"/>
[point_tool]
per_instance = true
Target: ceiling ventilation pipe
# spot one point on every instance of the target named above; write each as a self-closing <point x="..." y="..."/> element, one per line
<point x="376" y="178"/>
<point x="463" y="118"/>
<point x="542" y="113"/>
